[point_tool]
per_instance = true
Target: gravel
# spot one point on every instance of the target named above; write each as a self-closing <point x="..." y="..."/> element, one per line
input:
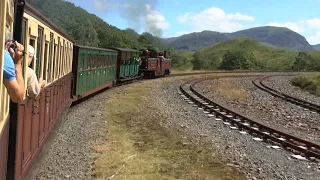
<point x="70" y="155"/>
<point x="265" y="108"/>
<point x="239" y="151"/>
<point x="283" y="84"/>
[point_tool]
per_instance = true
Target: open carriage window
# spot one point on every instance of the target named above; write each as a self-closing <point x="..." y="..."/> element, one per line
<point x="39" y="52"/>
<point x="32" y="42"/>
<point x="50" y="59"/>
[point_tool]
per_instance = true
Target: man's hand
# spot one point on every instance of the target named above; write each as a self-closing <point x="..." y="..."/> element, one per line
<point x="43" y="83"/>
<point x="16" y="54"/>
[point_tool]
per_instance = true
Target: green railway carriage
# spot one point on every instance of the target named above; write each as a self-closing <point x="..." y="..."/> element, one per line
<point x="128" y="63"/>
<point x="93" y="69"/>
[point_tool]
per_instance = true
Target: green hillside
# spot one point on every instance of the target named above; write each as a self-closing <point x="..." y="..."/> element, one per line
<point x="90" y="30"/>
<point x="268" y="35"/>
<point x="264" y="57"/>
<point x="316" y="47"/>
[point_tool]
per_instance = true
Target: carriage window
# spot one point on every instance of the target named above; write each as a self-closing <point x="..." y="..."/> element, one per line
<point x="45" y="60"/>
<point x="24" y="31"/>
<point x="101" y="61"/>
<point x="109" y="60"/>
<point x="57" y="59"/>
<point x="94" y="61"/>
<point x="32" y="43"/>
<point x="50" y="58"/>
<point x="63" y="66"/>
<point x="105" y="61"/>
<point x="88" y="62"/>
<point x="39" y="51"/>
<point x="54" y="62"/>
<point x="98" y="61"/>
<point x="23" y="36"/>
<point x="83" y="62"/>
<point x="60" y="60"/>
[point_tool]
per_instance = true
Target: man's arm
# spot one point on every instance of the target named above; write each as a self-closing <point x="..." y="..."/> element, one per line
<point x="34" y="87"/>
<point x="15" y="87"/>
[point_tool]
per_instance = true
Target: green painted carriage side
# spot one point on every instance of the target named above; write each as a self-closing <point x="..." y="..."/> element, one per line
<point x="126" y="68"/>
<point x="96" y="68"/>
<point x="129" y="68"/>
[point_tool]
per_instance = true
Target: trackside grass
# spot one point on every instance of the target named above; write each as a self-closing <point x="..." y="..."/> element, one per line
<point x="230" y="89"/>
<point x="310" y="83"/>
<point x="138" y="147"/>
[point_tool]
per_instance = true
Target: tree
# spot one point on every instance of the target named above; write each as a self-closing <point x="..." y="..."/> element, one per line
<point x="237" y="60"/>
<point x="302" y="61"/>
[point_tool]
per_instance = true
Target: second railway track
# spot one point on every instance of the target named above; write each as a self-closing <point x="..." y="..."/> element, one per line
<point x="299" y="147"/>
<point x="258" y="82"/>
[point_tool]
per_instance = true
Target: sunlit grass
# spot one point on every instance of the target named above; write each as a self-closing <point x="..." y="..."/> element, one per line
<point x="138" y="147"/>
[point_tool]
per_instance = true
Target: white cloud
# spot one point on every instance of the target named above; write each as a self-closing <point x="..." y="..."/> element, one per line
<point x="313" y="23"/>
<point x="155" y="22"/>
<point x="183" y="18"/>
<point x="297" y="27"/>
<point x="104" y="4"/>
<point x="314" y="39"/>
<point x="179" y="33"/>
<point x="215" y="19"/>
<point x="309" y="26"/>
<point x="100" y="4"/>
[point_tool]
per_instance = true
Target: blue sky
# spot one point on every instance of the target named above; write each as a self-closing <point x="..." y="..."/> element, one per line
<point x="170" y="18"/>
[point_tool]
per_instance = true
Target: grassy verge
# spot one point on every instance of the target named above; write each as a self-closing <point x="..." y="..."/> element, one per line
<point x="139" y="148"/>
<point x="230" y="89"/>
<point x="309" y="83"/>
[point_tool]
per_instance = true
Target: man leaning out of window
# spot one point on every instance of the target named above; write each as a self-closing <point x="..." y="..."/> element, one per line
<point x="12" y="68"/>
<point x="34" y="86"/>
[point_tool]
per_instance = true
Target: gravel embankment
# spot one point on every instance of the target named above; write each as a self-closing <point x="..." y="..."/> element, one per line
<point x="241" y="151"/>
<point x="283" y="84"/>
<point x="265" y="108"/>
<point x="70" y="155"/>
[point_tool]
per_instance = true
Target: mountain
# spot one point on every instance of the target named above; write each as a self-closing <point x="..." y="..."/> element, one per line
<point x="316" y="47"/>
<point x="268" y="35"/>
<point x="194" y="41"/>
<point x="265" y="57"/>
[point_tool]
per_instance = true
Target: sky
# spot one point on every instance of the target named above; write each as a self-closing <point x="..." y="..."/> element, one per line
<point x="172" y="18"/>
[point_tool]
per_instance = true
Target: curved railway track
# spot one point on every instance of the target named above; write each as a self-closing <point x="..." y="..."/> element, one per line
<point x="258" y="82"/>
<point x="299" y="147"/>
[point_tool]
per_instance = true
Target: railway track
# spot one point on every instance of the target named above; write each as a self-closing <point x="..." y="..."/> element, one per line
<point x="301" y="149"/>
<point x="258" y="82"/>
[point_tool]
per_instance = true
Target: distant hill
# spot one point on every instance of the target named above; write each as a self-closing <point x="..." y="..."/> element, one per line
<point x="266" y="57"/>
<point x="273" y="36"/>
<point x="194" y="41"/>
<point x="316" y="47"/>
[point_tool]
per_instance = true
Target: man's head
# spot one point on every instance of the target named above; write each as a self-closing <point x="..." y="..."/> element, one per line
<point x="31" y="55"/>
<point x="9" y="35"/>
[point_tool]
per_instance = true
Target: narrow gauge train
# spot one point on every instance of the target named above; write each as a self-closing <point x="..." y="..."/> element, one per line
<point x="72" y="72"/>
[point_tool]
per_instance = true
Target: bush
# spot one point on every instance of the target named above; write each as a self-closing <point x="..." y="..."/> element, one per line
<point x="307" y="84"/>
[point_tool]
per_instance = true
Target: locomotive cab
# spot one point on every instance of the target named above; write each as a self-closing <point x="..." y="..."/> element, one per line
<point x="153" y="65"/>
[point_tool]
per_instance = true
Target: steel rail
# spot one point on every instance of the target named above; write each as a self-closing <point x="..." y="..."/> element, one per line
<point x="286" y="97"/>
<point x="289" y="142"/>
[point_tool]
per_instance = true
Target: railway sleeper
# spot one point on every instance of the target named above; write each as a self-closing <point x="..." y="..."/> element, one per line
<point x="242" y="125"/>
